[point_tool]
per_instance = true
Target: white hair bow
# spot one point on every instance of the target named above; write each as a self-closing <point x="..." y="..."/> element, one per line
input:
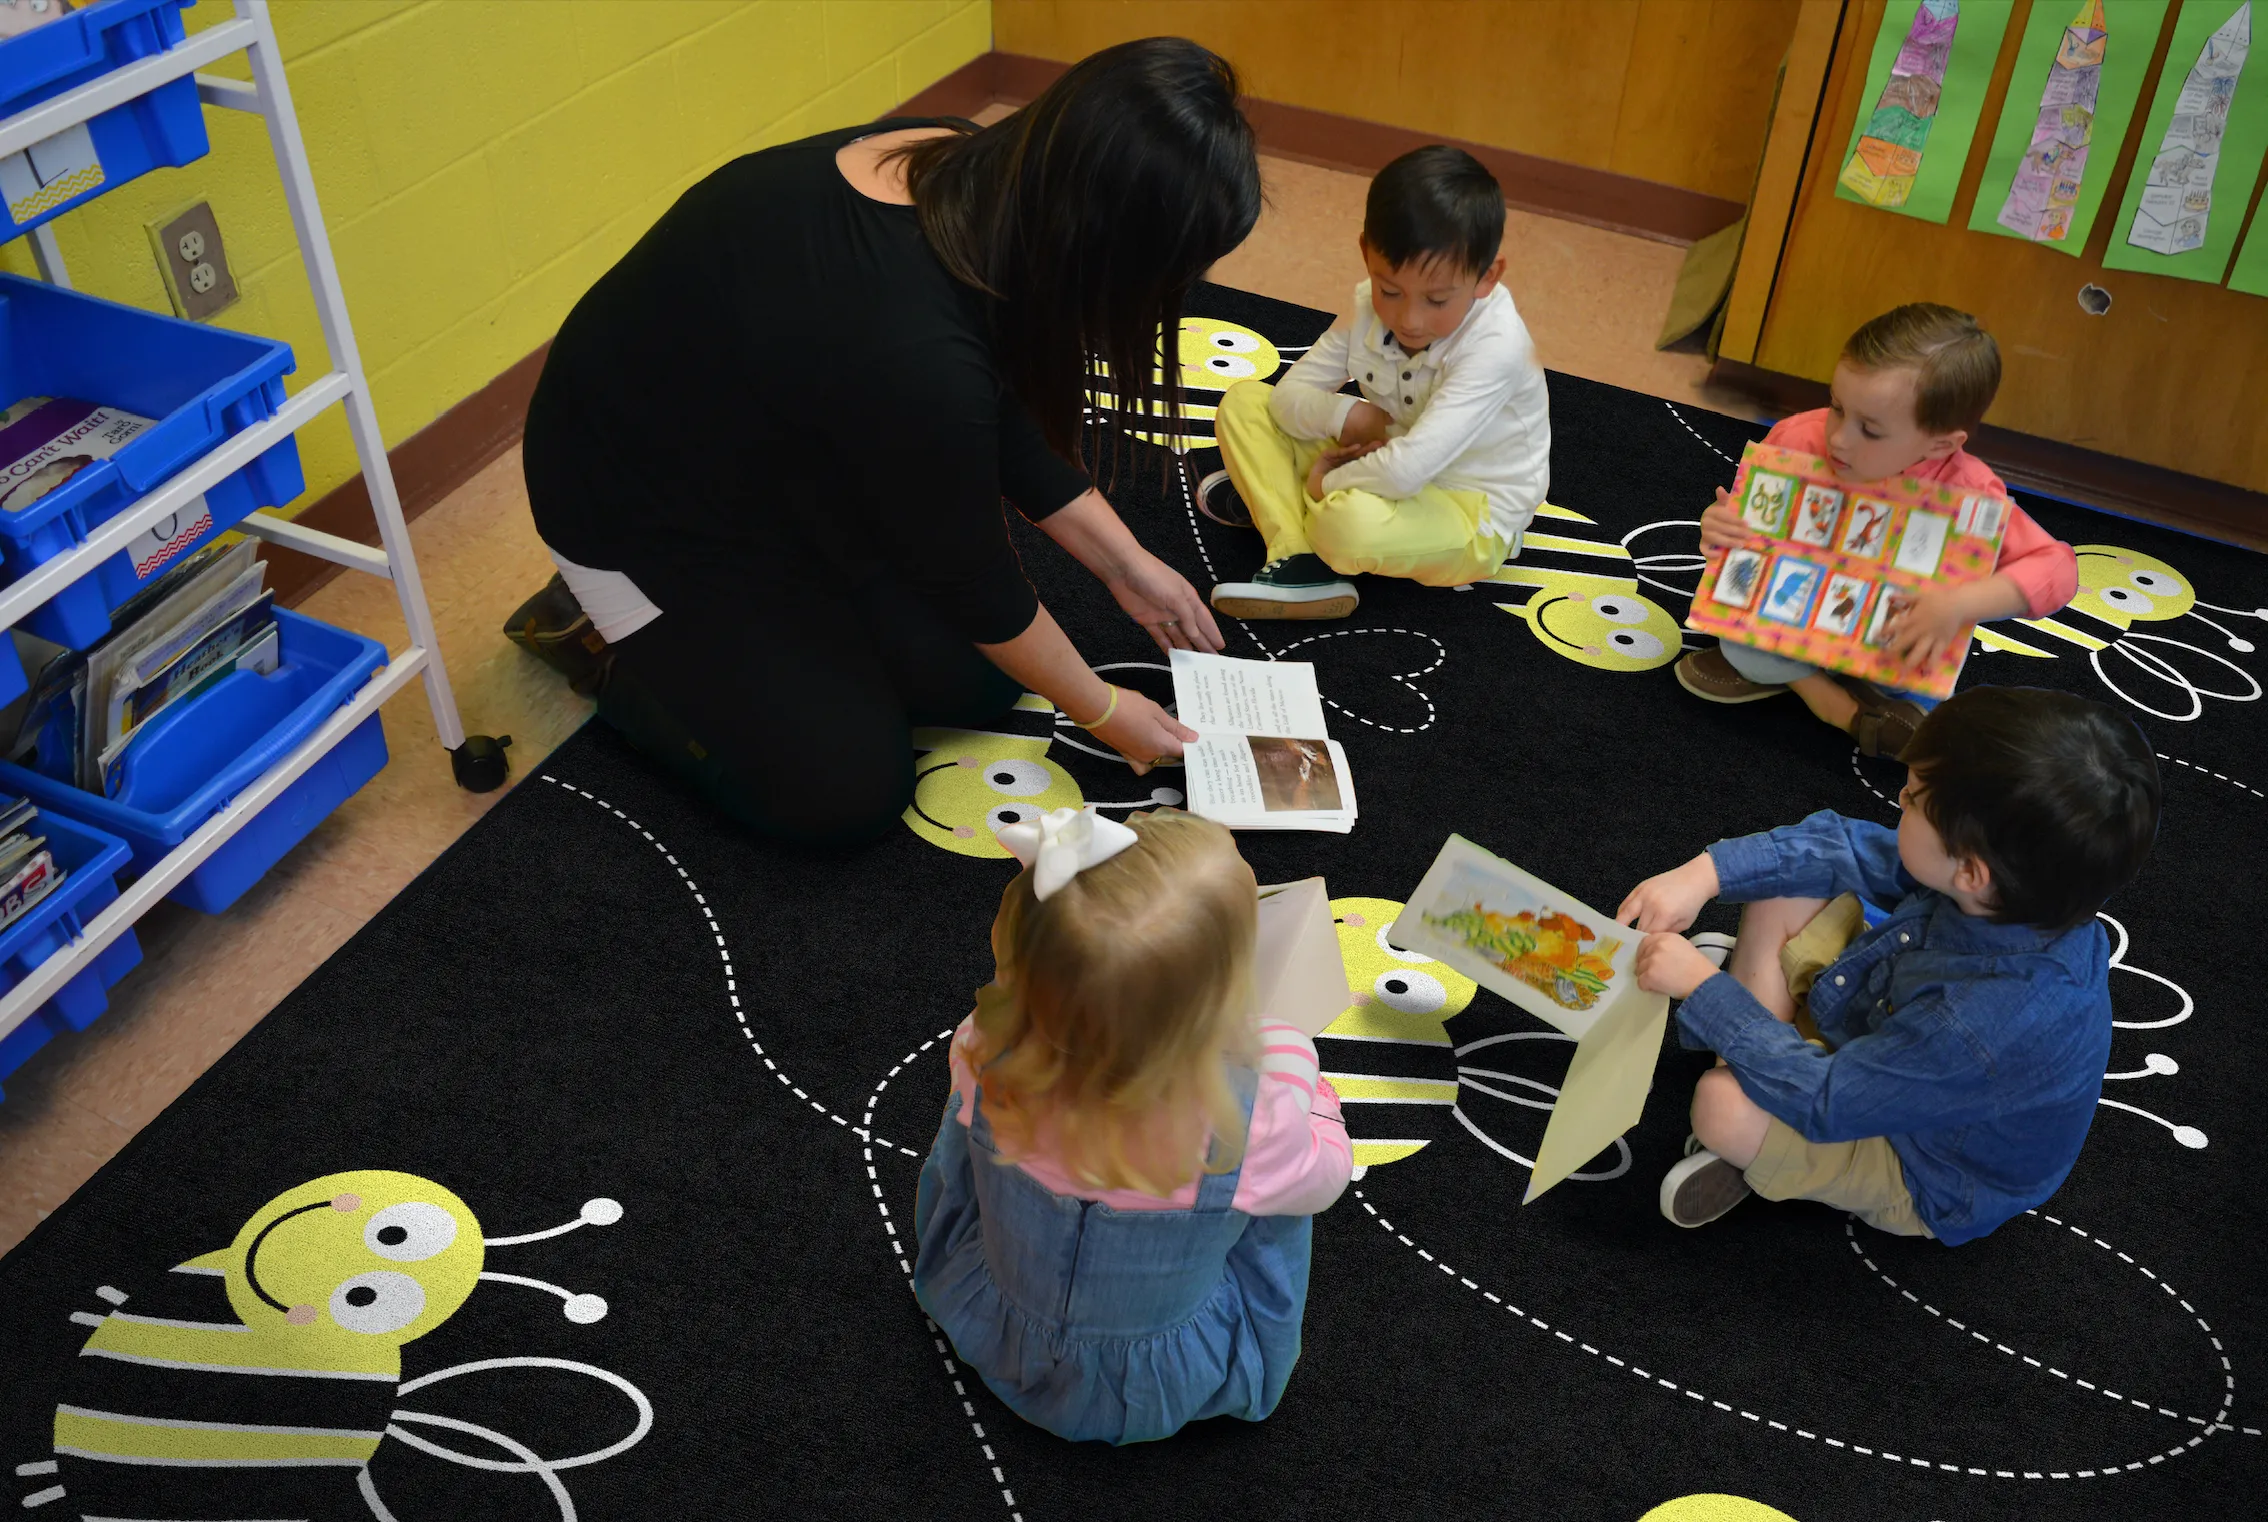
<point x="1062" y="843"/>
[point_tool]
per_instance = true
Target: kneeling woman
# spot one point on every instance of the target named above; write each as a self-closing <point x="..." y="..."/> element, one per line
<point x="1115" y="1220"/>
<point x="769" y="447"/>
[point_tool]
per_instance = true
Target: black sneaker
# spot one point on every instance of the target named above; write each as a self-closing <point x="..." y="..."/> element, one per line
<point x="553" y="627"/>
<point x="1701" y="1188"/>
<point x="1297" y="586"/>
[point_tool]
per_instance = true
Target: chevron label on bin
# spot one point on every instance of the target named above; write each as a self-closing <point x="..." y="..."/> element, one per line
<point x="49" y="173"/>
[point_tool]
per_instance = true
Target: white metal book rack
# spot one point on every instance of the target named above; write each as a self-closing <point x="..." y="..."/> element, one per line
<point x="478" y="760"/>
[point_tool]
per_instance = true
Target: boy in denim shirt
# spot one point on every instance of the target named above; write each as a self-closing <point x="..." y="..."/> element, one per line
<point x="1934" y="1075"/>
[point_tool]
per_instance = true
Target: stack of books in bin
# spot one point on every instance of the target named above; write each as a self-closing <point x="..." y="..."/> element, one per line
<point x="28" y="872"/>
<point x="207" y="617"/>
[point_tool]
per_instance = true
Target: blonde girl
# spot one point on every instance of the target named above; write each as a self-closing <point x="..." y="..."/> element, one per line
<point x="1114" y="1220"/>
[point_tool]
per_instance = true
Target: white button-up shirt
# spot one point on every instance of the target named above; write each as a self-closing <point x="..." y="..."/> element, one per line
<point x="1469" y="412"/>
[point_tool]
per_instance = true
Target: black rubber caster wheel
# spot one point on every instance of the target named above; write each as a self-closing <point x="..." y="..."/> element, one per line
<point x="480" y="763"/>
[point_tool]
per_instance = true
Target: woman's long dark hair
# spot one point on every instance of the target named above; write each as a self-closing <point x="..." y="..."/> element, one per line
<point x="1088" y="215"/>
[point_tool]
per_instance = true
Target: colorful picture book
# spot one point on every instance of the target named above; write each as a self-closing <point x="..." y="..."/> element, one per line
<point x="47" y="441"/>
<point x="28" y="872"/>
<point x="207" y="618"/>
<point x="1563" y="962"/>
<point x="1828" y="565"/>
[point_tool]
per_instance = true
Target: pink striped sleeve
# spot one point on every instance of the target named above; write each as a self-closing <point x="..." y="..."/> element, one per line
<point x="1297" y="1157"/>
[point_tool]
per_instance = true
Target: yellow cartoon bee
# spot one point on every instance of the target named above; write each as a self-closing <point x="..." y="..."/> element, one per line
<point x="2117" y="589"/>
<point x="279" y="1358"/>
<point x="1389" y="1054"/>
<point x="1715" y="1508"/>
<point x="970" y="784"/>
<point x="1212" y="355"/>
<point x="1594" y="617"/>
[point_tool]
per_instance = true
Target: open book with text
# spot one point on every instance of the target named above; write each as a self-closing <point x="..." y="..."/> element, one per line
<point x="1262" y="760"/>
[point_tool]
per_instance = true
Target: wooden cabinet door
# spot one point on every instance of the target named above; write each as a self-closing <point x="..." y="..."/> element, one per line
<point x="2174" y="374"/>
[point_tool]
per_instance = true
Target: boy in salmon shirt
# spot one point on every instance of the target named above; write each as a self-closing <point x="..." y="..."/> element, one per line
<point x="1910" y="388"/>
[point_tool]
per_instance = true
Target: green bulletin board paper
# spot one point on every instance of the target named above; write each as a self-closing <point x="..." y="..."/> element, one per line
<point x="1976" y="44"/>
<point x="2251" y="273"/>
<point x="2133" y="27"/>
<point x="2241" y="147"/>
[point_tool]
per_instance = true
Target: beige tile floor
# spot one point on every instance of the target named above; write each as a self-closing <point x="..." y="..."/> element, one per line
<point x="1593" y="300"/>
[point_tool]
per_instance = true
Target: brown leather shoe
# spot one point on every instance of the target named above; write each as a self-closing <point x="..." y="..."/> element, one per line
<point x="1884" y="725"/>
<point x="1709" y="676"/>
<point x="553" y="627"/>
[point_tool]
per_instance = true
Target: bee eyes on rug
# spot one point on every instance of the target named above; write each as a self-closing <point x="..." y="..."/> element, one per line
<point x="1413" y="993"/>
<point x="1635" y="643"/>
<point x="1010" y="813"/>
<point x="1018" y="779"/>
<point x="1619" y="610"/>
<point x="378" y="1302"/>
<point x="410" y="1232"/>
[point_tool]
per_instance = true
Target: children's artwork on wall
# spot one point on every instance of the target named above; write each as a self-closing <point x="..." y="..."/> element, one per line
<point x="2177" y="197"/>
<point x="1789" y="599"/>
<point x="2048" y="169"/>
<point x="1822" y="581"/>
<point x="1839" y="610"/>
<point x="1924" y="91"/>
<point x="1737" y="579"/>
<point x="2200" y="149"/>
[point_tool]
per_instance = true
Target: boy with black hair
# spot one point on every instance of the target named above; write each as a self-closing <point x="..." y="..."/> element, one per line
<point x="1435" y="470"/>
<point x="1934" y="1074"/>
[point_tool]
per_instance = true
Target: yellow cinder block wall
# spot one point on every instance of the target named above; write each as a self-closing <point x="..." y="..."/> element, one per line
<point x="480" y="162"/>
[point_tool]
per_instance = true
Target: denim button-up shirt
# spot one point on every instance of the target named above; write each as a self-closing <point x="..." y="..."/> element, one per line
<point x="1977" y="1049"/>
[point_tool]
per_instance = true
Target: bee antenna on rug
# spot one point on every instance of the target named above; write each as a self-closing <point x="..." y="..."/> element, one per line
<point x="595" y="1212"/>
<point x="580" y="1309"/>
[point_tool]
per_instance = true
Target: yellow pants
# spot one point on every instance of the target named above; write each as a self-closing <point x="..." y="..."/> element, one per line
<point x="1438" y="537"/>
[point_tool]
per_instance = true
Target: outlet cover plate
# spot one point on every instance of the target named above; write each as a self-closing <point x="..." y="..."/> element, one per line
<point x="194" y="263"/>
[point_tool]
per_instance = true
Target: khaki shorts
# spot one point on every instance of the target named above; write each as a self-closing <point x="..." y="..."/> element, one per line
<point x="1863" y="1177"/>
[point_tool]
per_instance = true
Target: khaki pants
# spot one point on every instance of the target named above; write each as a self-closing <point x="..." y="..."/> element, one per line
<point x="1863" y="1177"/>
<point x="1438" y="537"/>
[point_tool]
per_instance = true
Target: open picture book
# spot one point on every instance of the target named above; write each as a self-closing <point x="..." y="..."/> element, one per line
<point x="1561" y="961"/>
<point x="1261" y="759"/>
<point x="1826" y="565"/>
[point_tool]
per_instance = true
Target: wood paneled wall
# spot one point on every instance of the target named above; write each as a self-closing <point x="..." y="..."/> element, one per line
<point x="2175" y="374"/>
<point x="1674" y="91"/>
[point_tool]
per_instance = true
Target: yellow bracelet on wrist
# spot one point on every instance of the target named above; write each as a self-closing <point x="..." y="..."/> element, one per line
<point x="1104" y="717"/>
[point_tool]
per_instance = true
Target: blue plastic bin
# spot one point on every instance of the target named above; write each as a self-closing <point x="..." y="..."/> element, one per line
<point x="164" y="127"/>
<point x="194" y="757"/>
<point x="200" y="385"/>
<point x="90" y="861"/>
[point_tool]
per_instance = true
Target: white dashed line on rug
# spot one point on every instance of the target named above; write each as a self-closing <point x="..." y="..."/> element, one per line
<point x="724" y="954"/>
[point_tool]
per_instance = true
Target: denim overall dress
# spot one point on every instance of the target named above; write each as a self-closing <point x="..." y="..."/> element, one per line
<point x="1117" y="1325"/>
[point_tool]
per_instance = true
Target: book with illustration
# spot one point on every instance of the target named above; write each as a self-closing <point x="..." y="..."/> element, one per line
<point x="1561" y="961"/>
<point x="1261" y="759"/>
<point x="1827" y="565"/>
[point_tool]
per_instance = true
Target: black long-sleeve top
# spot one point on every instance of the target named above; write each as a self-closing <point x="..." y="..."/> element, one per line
<point x="781" y="380"/>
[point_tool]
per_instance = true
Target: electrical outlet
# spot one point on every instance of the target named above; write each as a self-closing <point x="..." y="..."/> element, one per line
<point x="194" y="263"/>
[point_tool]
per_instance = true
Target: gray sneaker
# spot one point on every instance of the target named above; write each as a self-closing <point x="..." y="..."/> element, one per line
<point x="1297" y="586"/>
<point x="1701" y="1188"/>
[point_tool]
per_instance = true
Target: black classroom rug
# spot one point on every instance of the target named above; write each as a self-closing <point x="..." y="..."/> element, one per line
<point x="601" y="995"/>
